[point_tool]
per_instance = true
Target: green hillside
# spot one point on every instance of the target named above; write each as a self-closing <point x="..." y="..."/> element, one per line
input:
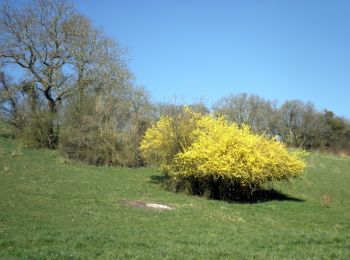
<point x="54" y="209"/>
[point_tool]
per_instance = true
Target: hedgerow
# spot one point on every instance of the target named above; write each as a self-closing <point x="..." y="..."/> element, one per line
<point x="213" y="153"/>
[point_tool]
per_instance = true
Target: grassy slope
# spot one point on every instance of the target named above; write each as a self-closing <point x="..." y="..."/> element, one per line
<point x="51" y="209"/>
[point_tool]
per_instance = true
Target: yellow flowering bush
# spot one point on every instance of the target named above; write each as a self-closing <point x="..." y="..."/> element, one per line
<point x="168" y="137"/>
<point x="215" y="152"/>
<point x="225" y="151"/>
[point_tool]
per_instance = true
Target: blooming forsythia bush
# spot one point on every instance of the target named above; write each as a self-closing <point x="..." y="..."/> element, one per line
<point x="225" y="151"/>
<point x="169" y="137"/>
<point x="213" y="149"/>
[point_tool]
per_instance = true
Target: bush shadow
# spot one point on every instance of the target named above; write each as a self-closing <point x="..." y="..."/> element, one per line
<point x="230" y="194"/>
<point x="266" y="195"/>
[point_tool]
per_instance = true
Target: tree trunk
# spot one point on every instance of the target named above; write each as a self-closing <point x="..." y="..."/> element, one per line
<point x="53" y="137"/>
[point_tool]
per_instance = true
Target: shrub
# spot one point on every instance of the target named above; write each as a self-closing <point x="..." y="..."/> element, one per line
<point x="101" y="130"/>
<point x="40" y="129"/>
<point x="169" y="136"/>
<point x="219" y="155"/>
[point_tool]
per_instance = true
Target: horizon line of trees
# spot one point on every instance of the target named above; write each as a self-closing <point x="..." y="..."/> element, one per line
<point x="75" y="93"/>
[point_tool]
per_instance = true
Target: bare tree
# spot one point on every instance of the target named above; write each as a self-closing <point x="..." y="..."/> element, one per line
<point x="301" y="125"/>
<point x="248" y="109"/>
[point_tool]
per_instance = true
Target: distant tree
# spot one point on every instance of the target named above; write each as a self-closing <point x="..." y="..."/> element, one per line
<point x="336" y="127"/>
<point x="301" y="125"/>
<point x="199" y="107"/>
<point x="173" y="109"/>
<point x="168" y="109"/>
<point x="252" y="110"/>
<point x="337" y="136"/>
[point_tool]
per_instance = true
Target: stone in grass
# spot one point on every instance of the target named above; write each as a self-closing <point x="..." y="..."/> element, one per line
<point x="141" y="204"/>
<point x="158" y="206"/>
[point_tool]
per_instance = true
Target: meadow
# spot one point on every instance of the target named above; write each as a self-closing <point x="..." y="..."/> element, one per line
<point x="51" y="208"/>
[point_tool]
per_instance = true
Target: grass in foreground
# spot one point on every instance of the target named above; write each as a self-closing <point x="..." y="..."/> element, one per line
<point x="53" y="209"/>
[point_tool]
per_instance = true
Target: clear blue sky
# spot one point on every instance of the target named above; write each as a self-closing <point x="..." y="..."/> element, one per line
<point x="290" y="49"/>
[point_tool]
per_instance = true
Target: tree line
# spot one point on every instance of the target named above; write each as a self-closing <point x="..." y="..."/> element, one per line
<point x="72" y="90"/>
<point x="297" y="123"/>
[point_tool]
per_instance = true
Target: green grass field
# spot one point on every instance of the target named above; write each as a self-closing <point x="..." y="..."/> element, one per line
<point x="57" y="210"/>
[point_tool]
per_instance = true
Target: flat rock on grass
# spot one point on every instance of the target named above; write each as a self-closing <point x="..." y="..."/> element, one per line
<point x="146" y="205"/>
